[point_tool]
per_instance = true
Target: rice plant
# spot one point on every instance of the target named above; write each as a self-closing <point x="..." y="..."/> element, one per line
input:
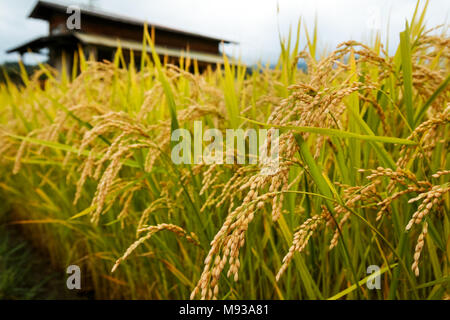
<point x="363" y="177"/>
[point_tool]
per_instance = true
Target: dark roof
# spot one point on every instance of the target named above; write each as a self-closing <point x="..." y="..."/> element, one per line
<point x="44" y="42"/>
<point x="75" y="38"/>
<point x="43" y="9"/>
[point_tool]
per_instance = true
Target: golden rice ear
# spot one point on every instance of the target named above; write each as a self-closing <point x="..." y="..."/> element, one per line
<point x="418" y="250"/>
<point x="150" y="232"/>
<point x="20" y="152"/>
<point x="300" y="241"/>
<point x="371" y="164"/>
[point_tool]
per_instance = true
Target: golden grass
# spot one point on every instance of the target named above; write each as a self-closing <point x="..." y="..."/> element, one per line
<point x="363" y="160"/>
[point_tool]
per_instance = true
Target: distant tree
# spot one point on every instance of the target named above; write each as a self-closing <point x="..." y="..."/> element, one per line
<point x="12" y="71"/>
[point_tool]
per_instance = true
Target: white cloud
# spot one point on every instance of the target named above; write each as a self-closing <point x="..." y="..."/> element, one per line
<point x="254" y="23"/>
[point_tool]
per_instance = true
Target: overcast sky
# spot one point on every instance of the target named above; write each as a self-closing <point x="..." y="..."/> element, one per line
<point x="255" y="24"/>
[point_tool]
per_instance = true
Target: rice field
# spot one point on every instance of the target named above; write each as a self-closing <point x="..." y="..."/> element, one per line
<point x="363" y="179"/>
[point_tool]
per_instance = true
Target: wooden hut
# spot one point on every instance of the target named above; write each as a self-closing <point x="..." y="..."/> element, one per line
<point x="101" y="33"/>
